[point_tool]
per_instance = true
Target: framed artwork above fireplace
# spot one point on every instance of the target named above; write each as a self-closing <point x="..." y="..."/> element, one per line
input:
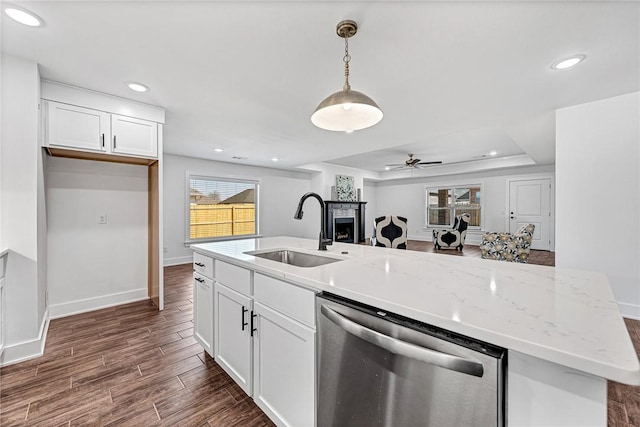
<point x="345" y="188"/>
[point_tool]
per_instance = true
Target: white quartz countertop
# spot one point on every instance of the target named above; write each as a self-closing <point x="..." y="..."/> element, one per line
<point x="568" y="317"/>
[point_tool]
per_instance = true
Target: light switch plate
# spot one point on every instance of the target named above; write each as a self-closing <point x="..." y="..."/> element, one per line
<point x="102" y="219"/>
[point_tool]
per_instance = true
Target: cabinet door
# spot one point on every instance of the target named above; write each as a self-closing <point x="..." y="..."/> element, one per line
<point x="134" y="136"/>
<point x="76" y="127"/>
<point x="203" y="312"/>
<point x="233" y="335"/>
<point x="284" y="368"/>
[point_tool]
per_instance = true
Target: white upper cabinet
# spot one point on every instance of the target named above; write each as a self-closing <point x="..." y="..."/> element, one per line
<point x="86" y="129"/>
<point x="134" y="136"/>
<point x="77" y="127"/>
<point x="81" y="121"/>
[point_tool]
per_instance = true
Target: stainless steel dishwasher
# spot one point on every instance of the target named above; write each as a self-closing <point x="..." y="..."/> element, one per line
<point x="379" y="369"/>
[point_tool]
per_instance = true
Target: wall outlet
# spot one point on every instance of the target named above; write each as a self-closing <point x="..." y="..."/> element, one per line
<point x="102" y="219"/>
<point x="165" y="249"/>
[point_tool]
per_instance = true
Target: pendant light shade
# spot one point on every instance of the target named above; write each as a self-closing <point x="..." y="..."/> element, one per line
<point x="347" y="110"/>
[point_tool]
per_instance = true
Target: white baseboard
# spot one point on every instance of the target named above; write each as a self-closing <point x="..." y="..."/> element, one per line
<point x="26" y="350"/>
<point x="632" y="311"/>
<point x="90" y="304"/>
<point x="178" y="260"/>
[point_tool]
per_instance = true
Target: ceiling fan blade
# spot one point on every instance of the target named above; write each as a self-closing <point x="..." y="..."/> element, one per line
<point x="431" y="163"/>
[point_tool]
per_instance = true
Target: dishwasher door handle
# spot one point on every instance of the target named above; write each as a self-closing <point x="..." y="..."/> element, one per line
<point x="402" y="348"/>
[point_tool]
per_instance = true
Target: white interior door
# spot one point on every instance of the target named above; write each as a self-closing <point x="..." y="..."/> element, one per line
<point x="529" y="203"/>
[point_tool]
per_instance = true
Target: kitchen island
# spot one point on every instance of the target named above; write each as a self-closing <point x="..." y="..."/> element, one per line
<point x="564" y="334"/>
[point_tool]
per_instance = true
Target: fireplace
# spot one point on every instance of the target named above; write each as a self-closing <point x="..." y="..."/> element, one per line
<point x="344" y="228"/>
<point x="342" y="217"/>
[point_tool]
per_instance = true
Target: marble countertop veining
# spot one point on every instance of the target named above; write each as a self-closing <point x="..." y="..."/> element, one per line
<point x="569" y="317"/>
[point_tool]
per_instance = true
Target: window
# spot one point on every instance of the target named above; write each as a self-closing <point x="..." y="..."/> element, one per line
<point x="221" y="207"/>
<point x="444" y="204"/>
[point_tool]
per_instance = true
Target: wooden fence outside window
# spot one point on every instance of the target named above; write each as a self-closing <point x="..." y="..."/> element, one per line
<point x="221" y="220"/>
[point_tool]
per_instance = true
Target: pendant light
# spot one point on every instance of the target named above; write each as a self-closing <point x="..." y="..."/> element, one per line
<point x="346" y="110"/>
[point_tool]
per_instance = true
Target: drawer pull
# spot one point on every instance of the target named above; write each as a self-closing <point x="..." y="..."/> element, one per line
<point x="244" y="310"/>
<point x="199" y="264"/>
<point x="103" y="140"/>
<point x="199" y="280"/>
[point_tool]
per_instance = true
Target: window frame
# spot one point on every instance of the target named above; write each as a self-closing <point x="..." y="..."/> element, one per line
<point x="452" y="208"/>
<point x="224" y="178"/>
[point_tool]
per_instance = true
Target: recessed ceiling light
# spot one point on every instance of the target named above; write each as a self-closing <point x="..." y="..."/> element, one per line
<point x="138" y="87"/>
<point x="218" y="150"/>
<point x="568" y="62"/>
<point x="493" y="153"/>
<point x="23" y="16"/>
<point x="274" y="159"/>
<point x="387" y="168"/>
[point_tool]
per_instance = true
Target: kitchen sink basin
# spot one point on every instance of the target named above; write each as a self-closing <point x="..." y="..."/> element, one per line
<point x="299" y="259"/>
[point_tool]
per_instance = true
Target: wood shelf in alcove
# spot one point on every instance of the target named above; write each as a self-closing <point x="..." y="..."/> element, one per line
<point x="85" y="155"/>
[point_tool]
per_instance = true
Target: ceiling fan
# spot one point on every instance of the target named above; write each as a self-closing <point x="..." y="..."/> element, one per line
<point x="411" y="163"/>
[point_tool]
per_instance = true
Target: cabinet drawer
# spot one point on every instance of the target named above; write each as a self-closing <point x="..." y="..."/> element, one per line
<point x="203" y="264"/>
<point x="292" y="300"/>
<point x="236" y="278"/>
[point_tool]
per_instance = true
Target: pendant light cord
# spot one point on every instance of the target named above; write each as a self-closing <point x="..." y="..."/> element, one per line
<point x="346" y="60"/>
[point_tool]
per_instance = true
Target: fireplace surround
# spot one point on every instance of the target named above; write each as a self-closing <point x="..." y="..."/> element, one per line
<point x="338" y="214"/>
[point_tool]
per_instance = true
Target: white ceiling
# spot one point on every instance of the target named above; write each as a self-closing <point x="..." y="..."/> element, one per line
<point x="454" y="79"/>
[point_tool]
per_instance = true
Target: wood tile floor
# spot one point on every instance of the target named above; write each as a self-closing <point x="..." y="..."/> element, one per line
<point x="134" y="366"/>
<point x="535" y="257"/>
<point x="129" y="365"/>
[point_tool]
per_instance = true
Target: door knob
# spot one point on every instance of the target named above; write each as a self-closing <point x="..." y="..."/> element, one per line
<point x="513" y="217"/>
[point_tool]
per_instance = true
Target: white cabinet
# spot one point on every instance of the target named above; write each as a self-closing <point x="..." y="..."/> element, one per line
<point x="202" y="264"/>
<point x="233" y="334"/>
<point x="86" y="129"/>
<point x="134" y="136"/>
<point x="77" y="127"/>
<point x="283" y="367"/>
<point x="203" y="312"/>
<point x="203" y="289"/>
<point x="264" y="338"/>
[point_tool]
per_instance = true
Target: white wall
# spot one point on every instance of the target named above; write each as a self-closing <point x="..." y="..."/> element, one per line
<point x="280" y="192"/>
<point x="92" y="265"/>
<point x="20" y="83"/>
<point x="21" y="217"/>
<point x="407" y="198"/>
<point x="598" y="193"/>
<point x="369" y="196"/>
<point x="324" y="177"/>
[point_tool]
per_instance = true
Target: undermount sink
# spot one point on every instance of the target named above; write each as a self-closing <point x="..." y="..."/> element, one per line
<point x="299" y="259"/>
